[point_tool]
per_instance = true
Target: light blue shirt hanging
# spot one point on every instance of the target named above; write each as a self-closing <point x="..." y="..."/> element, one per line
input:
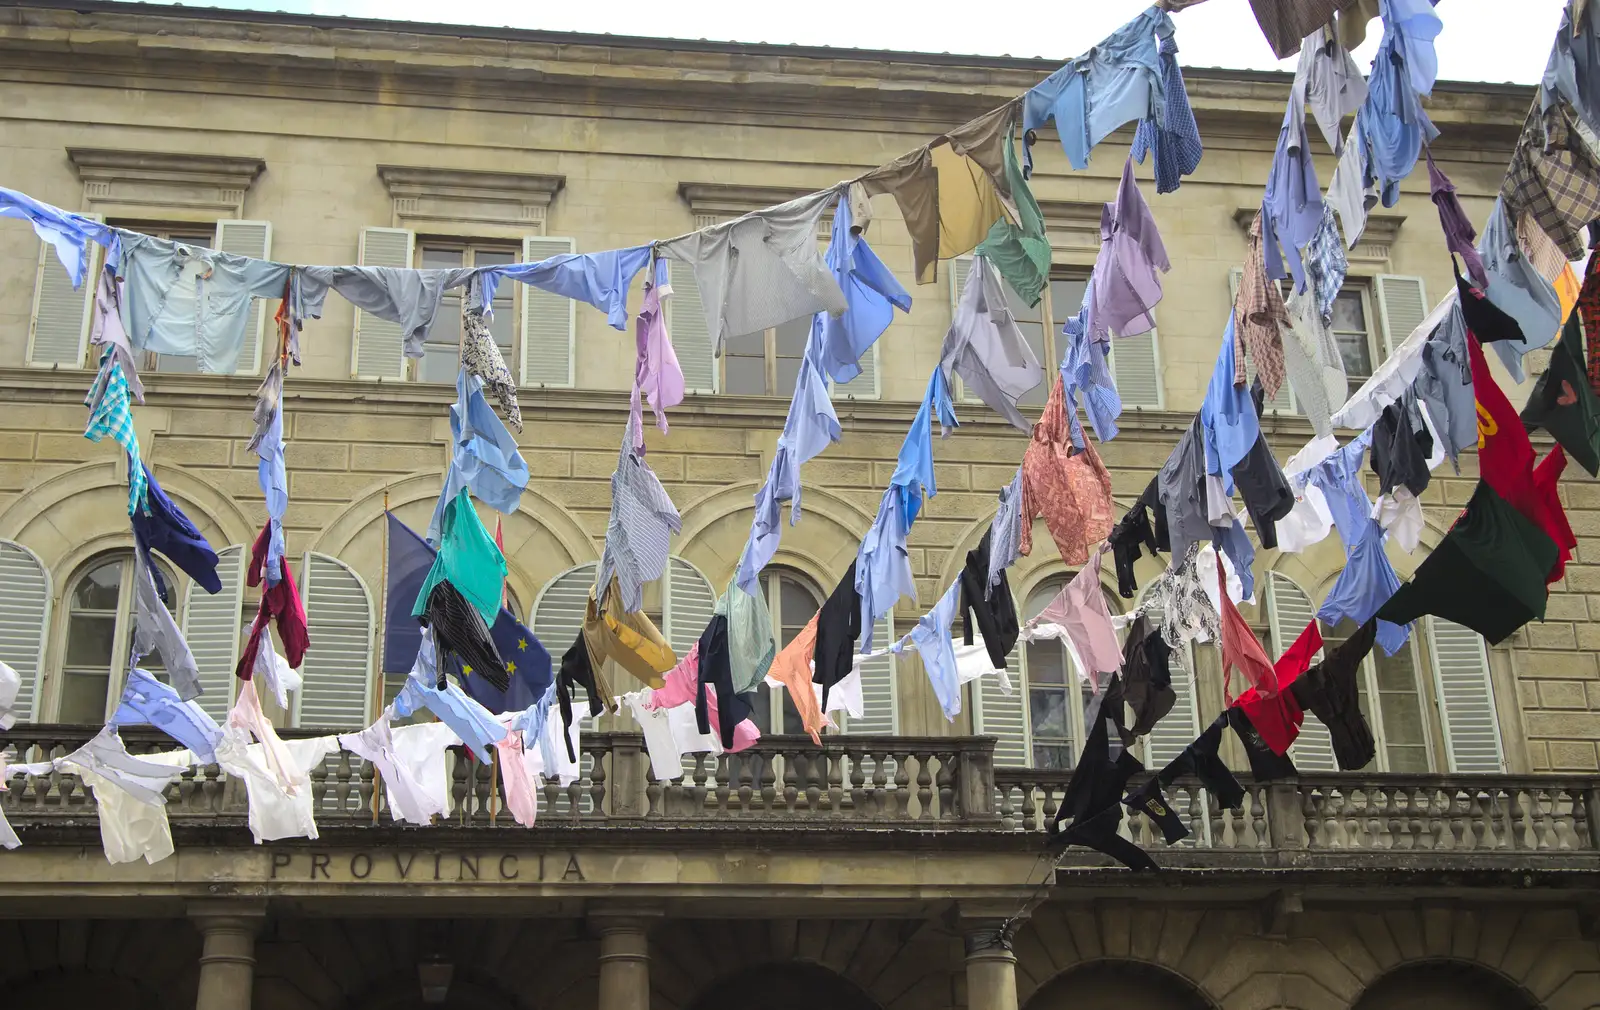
<point x="1084" y="370"/>
<point x="1176" y="144"/>
<point x="871" y="294"/>
<point x="271" y="473"/>
<point x="883" y="566"/>
<point x="1519" y="290"/>
<point x="1235" y="543"/>
<point x="147" y="700"/>
<point x="68" y="233"/>
<point x="1392" y="120"/>
<point x="451" y="705"/>
<point x="486" y="456"/>
<point x="1227" y="416"/>
<point x="602" y="279"/>
<point x="913" y="474"/>
<point x="934" y="643"/>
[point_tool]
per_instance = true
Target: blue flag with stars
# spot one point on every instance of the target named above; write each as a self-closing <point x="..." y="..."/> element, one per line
<point x="526" y="660"/>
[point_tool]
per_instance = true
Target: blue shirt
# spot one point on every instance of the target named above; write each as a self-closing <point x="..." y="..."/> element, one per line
<point x="274" y="480"/>
<point x="1084" y="370"/>
<point x="486" y="457"/>
<point x="914" y="472"/>
<point x="1227" y="416"/>
<point x="1518" y="290"/>
<point x="470" y="721"/>
<point x="147" y="700"/>
<point x="1235" y="543"/>
<point x="164" y="528"/>
<point x="602" y="279"/>
<point x="68" y="233"/>
<point x="1117" y="82"/>
<point x="883" y="566"/>
<point x="871" y="294"/>
<point x="937" y="648"/>
<point x="1392" y="120"/>
<point x="1364" y="586"/>
<point x="1176" y="142"/>
<point x="1291" y="210"/>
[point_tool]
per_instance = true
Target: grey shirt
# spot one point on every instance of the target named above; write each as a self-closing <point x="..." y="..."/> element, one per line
<point x="1180" y="486"/>
<point x="407" y="297"/>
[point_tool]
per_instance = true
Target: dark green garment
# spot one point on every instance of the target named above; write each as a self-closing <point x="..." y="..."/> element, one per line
<point x="468" y="559"/>
<point x="1564" y="404"/>
<point x="1487" y="574"/>
<point x="1020" y="251"/>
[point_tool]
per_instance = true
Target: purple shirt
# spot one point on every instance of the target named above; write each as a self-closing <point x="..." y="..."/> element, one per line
<point x="1127" y="274"/>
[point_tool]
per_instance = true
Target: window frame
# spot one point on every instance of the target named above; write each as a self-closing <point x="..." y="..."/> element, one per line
<point x="1376" y="353"/>
<point x="122" y="629"/>
<point x="470" y="247"/>
<point x="1372" y="703"/>
<point x="1052" y="583"/>
<point x="769" y="358"/>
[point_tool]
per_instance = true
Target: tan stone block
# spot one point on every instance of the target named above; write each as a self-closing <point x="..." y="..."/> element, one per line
<point x="575" y="494"/>
<point x="1528" y="693"/>
<point x="378" y="426"/>
<point x="1562" y="694"/>
<point x="312" y="456"/>
<point x="16" y="445"/>
<point x="666" y="466"/>
<point x="825" y="472"/>
<point x="198" y="422"/>
<point x="1566" y="607"/>
<point x="341" y="487"/>
<point x="1555" y="635"/>
<point x="1572" y="756"/>
<point x="721" y="469"/>
<point x="394" y="459"/>
<point x="1564" y="725"/>
<point x="951" y="476"/>
<point x="988" y="477"/>
<point x="74" y="448"/>
<point x="16" y="476"/>
<point x="192" y="451"/>
<point x="1558" y="665"/>
<point x="238" y="484"/>
<point x="1592" y="692"/>
<point x="1538" y="756"/>
<point x="597" y="464"/>
<point x="548" y="462"/>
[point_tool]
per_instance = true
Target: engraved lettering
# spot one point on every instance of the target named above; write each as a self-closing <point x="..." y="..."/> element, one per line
<point x="514" y="871"/>
<point x="405" y="867"/>
<point x="320" y="861"/>
<point x="573" y="871"/>
<point x="360" y="866"/>
<point x="467" y="863"/>
<point x="279" y="859"/>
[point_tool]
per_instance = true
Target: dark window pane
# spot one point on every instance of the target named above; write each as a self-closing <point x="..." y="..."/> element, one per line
<point x="98" y="590"/>
<point x="440" y="361"/>
<point x="1049" y="712"/>
<point x="1052" y="756"/>
<point x="90" y="639"/>
<point x="788" y="376"/>
<point x="83" y="696"/>
<point x="792" y="337"/>
<point x="744" y="375"/>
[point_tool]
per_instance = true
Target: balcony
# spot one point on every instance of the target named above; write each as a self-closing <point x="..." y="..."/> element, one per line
<point x="926" y="791"/>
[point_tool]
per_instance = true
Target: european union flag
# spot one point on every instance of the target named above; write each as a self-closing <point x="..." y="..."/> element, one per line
<point x="526" y="660"/>
<point x="410" y="558"/>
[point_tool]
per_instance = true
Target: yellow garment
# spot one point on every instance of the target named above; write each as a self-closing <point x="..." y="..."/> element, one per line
<point x="1567" y="287"/>
<point x="629" y="640"/>
<point x="968" y="203"/>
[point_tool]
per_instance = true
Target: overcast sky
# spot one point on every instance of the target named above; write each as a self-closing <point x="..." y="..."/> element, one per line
<point x="1483" y="40"/>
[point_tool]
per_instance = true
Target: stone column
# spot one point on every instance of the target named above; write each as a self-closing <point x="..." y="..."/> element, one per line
<point x="228" y="957"/>
<point x="991" y="965"/>
<point x="624" y="958"/>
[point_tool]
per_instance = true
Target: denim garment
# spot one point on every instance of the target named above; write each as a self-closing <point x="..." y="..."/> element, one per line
<point x="1363" y="587"/>
<point x="871" y="294"/>
<point x="1291" y="211"/>
<point x="486" y="456"/>
<point x="933" y="640"/>
<point x="165" y="529"/>
<point x="1393" y="120"/>
<point x="147" y="700"/>
<point x="1117" y="82"/>
<point x="602" y="279"/>
<point x="883" y="567"/>
<point x="182" y="299"/>
<point x="407" y="297"/>
<point x="1227" y="416"/>
<point x="1519" y="290"/>
<point x="1175" y="143"/>
<point x="68" y="233"/>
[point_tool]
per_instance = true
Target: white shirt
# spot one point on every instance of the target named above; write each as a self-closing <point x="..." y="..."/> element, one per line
<point x="132" y="828"/>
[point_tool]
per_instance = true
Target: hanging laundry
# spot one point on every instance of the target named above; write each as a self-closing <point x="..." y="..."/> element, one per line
<point x="1092" y="802"/>
<point x="144" y="778"/>
<point x="762" y="269"/>
<point x="1555" y="177"/>
<point x="162" y="527"/>
<point x="1071" y="490"/>
<point x="679" y="697"/>
<point x="871" y="294"/>
<point x="1117" y="82"/>
<point x="1228" y="421"/>
<point x="986" y="348"/>
<point x="105" y="328"/>
<point x="527" y="661"/>
<point x="155" y="631"/>
<point x="913" y="473"/>
<point x="1332" y="83"/>
<point x="146" y="700"/>
<point x="462" y="637"/>
<point x="1312" y="363"/>
<point x="1444" y="385"/>
<point x="1276" y="718"/>
<point x="990" y="606"/>
<point x="480" y="356"/>
<point x="1353" y="190"/>
<point x="410" y="762"/>
<point x="1180" y="488"/>
<point x="791" y="669"/>
<point x="10" y="687"/>
<point x="716" y="676"/>
<point x="1458" y="231"/>
<point x="1395" y="375"/>
<point x="931" y="636"/>
<point x="1146" y="676"/>
<point x="1393" y="121"/>
<point x="1134" y="534"/>
<point x="1152" y="802"/>
<point x="1241" y="650"/>
<point x="551" y="751"/>
<point x="111" y="415"/>
<point x="1085" y="370"/>
<point x="1326" y="264"/>
<point x="913" y="180"/>
<point x="1518" y="290"/>
<point x="1363" y="587"/>
<point x="1262" y="485"/>
<point x="521" y="793"/>
<point x="1233" y="544"/>
<point x="485" y="457"/>
<point x="972" y="189"/>
<point x="1329" y="691"/>
<point x="1564" y="404"/>
<point x="1286" y="23"/>
<point x="130" y="806"/>
<point x="1259" y="318"/>
<point x="602" y="279"/>
<point x="192" y="301"/>
<point x="425" y="688"/>
<point x="1291" y="209"/>
<point x="882" y="567"/>
<point x="1400" y="514"/>
<point x="1080" y="610"/>
<point x="1005" y="535"/>
<point x="68" y="233"/>
<point x="1187" y="614"/>
<point x="656" y="372"/>
<point x="640" y="530"/>
<point x="275" y="674"/>
<point x="1019" y="251"/>
<point x="838" y="628"/>
<point x="579" y="670"/>
<point x="1201" y="760"/>
<point x="468" y="559"/>
<point x="1572" y="74"/>
<point x="280" y="603"/>
<point x="631" y="640"/>
<point x="1307" y="524"/>
<point x="1175" y="141"/>
<point x="1401" y="446"/>
<point x="751" y="646"/>
<point x="1125" y="286"/>
<point x="1265" y="764"/>
<point x="271" y="473"/>
<point x="408" y="297"/>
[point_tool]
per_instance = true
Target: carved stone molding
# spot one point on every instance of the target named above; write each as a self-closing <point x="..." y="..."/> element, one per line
<point x="158" y="183"/>
<point x="426" y="195"/>
<point x="1371" y="251"/>
<point x="1073" y="227"/>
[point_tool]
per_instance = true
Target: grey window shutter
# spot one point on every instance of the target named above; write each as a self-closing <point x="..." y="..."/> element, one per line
<point x="960" y="270"/>
<point x="24" y="616"/>
<point x="1466" y="698"/>
<point x="338" y="666"/>
<point x="58" y="330"/>
<point x="864" y="386"/>
<point x="378" y="346"/>
<point x="1136" y="365"/>
<point x="549" y="322"/>
<point x="880" y="711"/>
<point x="1003" y="717"/>
<point x="253" y="239"/>
<point x="1402" y="306"/>
<point x="691" y="334"/>
<point x="1177" y="729"/>
<point x="687" y="606"/>
<point x="1289" y="610"/>
<point x="213" y="624"/>
<point x="559" y="610"/>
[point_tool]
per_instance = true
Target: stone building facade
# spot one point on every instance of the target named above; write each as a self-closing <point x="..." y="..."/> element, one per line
<point x="1463" y="863"/>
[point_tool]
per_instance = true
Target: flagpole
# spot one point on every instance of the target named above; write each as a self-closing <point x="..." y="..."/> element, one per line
<point x="383" y="628"/>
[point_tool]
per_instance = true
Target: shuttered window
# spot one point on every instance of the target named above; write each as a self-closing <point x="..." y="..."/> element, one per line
<point x="213" y="624"/>
<point x="691" y="334"/>
<point x="1289" y="610"/>
<point x="1402" y="306"/>
<point x="864" y="386"/>
<point x="549" y="322"/>
<point x="253" y="239"/>
<point x="58" y="329"/>
<point x="1041" y="725"/>
<point x="559" y="610"/>
<point x="880" y="702"/>
<point x="688" y="606"/>
<point x="1465" y="697"/>
<point x="24" y="616"/>
<point x="337" y="670"/>
<point x="377" y="346"/>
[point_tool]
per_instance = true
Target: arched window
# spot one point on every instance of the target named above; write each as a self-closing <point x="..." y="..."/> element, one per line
<point x="99" y="634"/>
<point x="792" y="602"/>
<point x="337" y="669"/>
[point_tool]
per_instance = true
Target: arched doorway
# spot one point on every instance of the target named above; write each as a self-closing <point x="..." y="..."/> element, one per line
<point x="788" y="986"/>
<point x="1118" y="985"/>
<point x="1445" y="985"/>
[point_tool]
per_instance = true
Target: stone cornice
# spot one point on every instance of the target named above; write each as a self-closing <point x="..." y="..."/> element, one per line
<point x="723" y="200"/>
<point x="1370" y="251"/>
<point x="426" y="195"/>
<point x="129" y="181"/>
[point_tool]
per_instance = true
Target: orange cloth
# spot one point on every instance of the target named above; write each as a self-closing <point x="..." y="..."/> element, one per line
<point x="792" y="668"/>
<point x="1070" y="490"/>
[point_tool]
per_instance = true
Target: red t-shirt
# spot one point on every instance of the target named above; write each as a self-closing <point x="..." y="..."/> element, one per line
<point x="1278" y="718"/>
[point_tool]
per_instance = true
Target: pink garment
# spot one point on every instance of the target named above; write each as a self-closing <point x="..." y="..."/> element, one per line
<point x="656" y="371"/>
<point x="246" y="715"/>
<point x="1080" y="609"/>
<point x="680" y="686"/>
<point x="522" y="797"/>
